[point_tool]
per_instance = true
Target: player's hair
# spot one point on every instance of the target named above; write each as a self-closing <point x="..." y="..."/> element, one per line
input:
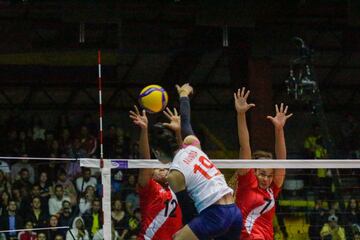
<point x="164" y="140"/>
<point x="262" y="154"/>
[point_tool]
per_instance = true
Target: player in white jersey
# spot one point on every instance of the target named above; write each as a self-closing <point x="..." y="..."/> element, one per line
<point x="193" y="174"/>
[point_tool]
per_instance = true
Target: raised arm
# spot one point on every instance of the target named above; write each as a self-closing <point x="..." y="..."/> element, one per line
<point x="279" y="121"/>
<point x="184" y="92"/>
<point x="187" y="132"/>
<point x="141" y="120"/>
<point x="241" y="106"/>
<point x="174" y="124"/>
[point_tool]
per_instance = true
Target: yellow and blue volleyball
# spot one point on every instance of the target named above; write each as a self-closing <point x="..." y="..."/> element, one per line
<point x="153" y="98"/>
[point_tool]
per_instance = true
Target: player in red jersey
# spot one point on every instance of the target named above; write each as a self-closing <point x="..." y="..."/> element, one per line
<point x="257" y="189"/>
<point x="160" y="211"/>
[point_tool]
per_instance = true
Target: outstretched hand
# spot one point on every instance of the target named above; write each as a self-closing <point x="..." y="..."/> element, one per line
<point x="185" y="90"/>
<point x="139" y="119"/>
<point x="280" y="117"/>
<point x="175" y="121"/>
<point x="240" y="99"/>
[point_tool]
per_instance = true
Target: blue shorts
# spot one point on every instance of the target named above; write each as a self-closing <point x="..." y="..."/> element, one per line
<point x="219" y="222"/>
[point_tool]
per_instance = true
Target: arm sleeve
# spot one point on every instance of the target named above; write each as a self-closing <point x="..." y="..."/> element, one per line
<point x="187" y="206"/>
<point x="185" y="108"/>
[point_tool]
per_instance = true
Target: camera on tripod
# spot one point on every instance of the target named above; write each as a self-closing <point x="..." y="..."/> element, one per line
<point x="301" y="84"/>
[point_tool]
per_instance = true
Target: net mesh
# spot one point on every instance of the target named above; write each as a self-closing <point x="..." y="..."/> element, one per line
<point x="311" y="201"/>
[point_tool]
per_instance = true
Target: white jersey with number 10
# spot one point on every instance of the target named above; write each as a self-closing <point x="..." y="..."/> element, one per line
<point x="204" y="182"/>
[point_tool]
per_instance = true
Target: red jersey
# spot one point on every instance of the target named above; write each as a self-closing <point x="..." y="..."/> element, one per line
<point x="160" y="212"/>
<point x="257" y="207"/>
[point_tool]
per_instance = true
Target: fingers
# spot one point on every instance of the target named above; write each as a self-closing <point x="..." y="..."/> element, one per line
<point x="136" y="110"/>
<point x="247" y="94"/>
<point x="132" y="113"/>
<point x="285" y="110"/>
<point x="175" y="112"/>
<point x="270" y="118"/>
<point x="288" y="116"/>
<point x="251" y="105"/>
<point x="242" y="92"/>
<point x="281" y="107"/>
<point x="177" y="87"/>
<point x="276" y="108"/>
<point x="167" y="115"/>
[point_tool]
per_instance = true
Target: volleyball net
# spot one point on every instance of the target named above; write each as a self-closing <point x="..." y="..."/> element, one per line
<point x="315" y="194"/>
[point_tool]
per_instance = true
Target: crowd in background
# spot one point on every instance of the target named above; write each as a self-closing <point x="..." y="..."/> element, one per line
<point x="37" y="194"/>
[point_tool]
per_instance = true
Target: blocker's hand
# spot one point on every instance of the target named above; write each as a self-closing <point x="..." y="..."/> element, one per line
<point x="280" y="118"/>
<point x="139" y="119"/>
<point x="240" y="100"/>
<point x="175" y="120"/>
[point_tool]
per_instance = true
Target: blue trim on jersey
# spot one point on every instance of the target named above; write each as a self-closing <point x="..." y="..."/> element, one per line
<point x="218" y="221"/>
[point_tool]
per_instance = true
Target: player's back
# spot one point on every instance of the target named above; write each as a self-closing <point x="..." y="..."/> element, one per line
<point x="160" y="212"/>
<point x="204" y="182"/>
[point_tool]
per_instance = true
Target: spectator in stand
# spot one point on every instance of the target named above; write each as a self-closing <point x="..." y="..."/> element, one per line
<point x="119" y="218"/>
<point x="73" y="169"/>
<point x="66" y="216"/>
<point x="17" y="167"/>
<point x="65" y="141"/>
<point x="318" y="218"/>
<point x="4" y="202"/>
<point x="11" y="221"/>
<point x="351" y="217"/>
<point x="331" y="230"/>
<point x="41" y="236"/>
<point x="134" y="224"/>
<point x="26" y="202"/>
<point x="51" y="168"/>
<point x="23" y="183"/>
<point x="5" y="169"/>
<point x="27" y="235"/>
<point x="55" y="202"/>
<point x="51" y="233"/>
<point x="68" y="186"/>
<point x="76" y="150"/>
<point x="78" y="230"/>
<point x="93" y="219"/>
<point x="88" y="141"/>
<point x="46" y="189"/>
<point x="129" y="186"/>
<point x="55" y="148"/>
<point x="59" y="237"/>
<point x="336" y="210"/>
<point x="16" y="196"/>
<point x="356" y="231"/>
<point x="99" y="235"/>
<point x="36" y="215"/>
<point x="85" y="180"/>
<point x="122" y="147"/>
<point x="5" y="185"/>
<point x="87" y="198"/>
<point x="132" y="202"/>
<point x="116" y="182"/>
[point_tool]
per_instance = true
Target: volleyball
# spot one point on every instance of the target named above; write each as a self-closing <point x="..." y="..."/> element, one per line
<point x="153" y="98"/>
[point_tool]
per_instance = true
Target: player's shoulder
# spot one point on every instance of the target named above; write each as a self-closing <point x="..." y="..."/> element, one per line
<point x="187" y="155"/>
